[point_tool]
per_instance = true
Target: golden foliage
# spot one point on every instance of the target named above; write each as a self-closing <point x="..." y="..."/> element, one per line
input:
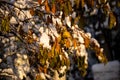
<point x="66" y="34"/>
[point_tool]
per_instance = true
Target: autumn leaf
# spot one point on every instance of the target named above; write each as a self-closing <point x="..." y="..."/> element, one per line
<point x="39" y="1"/>
<point x="66" y="34"/>
<point x="86" y="40"/>
<point x="47" y="8"/>
<point x="67" y="42"/>
<point x="32" y="11"/>
<point x="112" y="20"/>
<point x="82" y="3"/>
<point x="75" y="43"/>
<point x="53" y="8"/>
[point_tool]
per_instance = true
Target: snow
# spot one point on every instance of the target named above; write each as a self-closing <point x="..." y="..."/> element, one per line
<point x="13" y="20"/>
<point x="109" y="71"/>
<point x="62" y="69"/>
<point x="68" y="21"/>
<point x="44" y="40"/>
<point x="95" y="42"/>
<point x="21" y="65"/>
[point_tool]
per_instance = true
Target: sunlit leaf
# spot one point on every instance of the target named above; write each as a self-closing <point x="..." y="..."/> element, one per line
<point x="66" y="34"/>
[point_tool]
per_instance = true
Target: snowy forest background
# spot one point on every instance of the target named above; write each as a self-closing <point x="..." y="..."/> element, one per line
<point x="57" y="39"/>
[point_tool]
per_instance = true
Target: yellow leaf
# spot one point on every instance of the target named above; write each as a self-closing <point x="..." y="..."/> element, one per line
<point x="66" y="34"/>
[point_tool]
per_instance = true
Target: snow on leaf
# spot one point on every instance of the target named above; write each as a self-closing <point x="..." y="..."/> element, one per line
<point x="68" y="21"/>
<point x="44" y="39"/>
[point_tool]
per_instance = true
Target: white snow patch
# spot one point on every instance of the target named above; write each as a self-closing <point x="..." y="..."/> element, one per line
<point x="68" y="21"/>
<point x="62" y="69"/>
<point x="80" y="38"/>
<point x="109" y="71"/>
<point x="44" y="39"/>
